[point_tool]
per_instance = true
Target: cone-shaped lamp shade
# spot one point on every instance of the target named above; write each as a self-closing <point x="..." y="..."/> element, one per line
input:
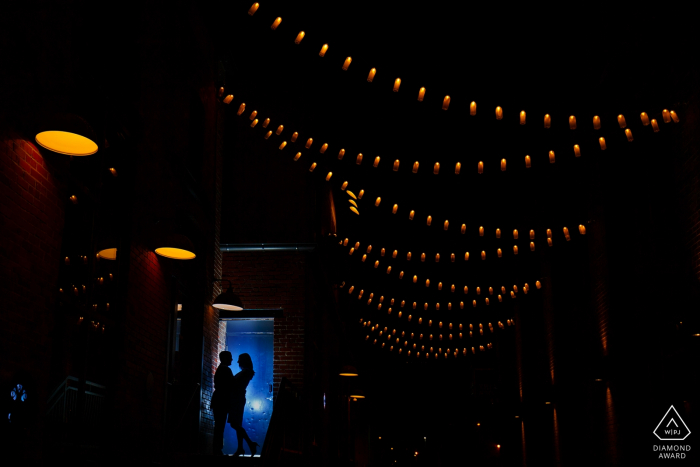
<point x="348" y="371"/>
<point x="64" y="142"/>
<point x="176" y="246"/>
<point x="228" y="301"/>
<point x="357" y="394"/>
<point x="108" y="253"/>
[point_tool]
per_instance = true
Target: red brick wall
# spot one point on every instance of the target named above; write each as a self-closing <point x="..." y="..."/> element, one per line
<point x="268" y="279"/>
<point x="144" y="346"/>
<point x="32" y="206"/>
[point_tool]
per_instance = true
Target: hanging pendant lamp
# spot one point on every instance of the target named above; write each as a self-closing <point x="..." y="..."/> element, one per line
<point x="348" y="370"/>
<point x="69" y="135"/>
<point x="176" y="246"/>
<point x="228" y="301"/>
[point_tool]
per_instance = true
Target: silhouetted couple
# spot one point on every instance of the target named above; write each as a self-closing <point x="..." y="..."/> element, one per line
<point x="229" y="400"/>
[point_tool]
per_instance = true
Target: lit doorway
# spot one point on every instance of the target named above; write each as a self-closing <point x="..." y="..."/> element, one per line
<point x="253" y="336"/>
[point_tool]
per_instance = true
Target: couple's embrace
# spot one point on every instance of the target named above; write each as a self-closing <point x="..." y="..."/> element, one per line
<point x="228" y="400"/>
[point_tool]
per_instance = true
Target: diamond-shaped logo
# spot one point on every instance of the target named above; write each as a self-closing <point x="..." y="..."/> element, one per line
<point x="672" y="427"/>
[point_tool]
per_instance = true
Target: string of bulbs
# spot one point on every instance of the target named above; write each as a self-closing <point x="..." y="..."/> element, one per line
<point x="480" y="166"/>
<point x="354" y="208"/>
<point x="453" y="257"/>
<point x="393" y="340"/>
<point x="499" y="296"/>
<point x="666" y="115"/>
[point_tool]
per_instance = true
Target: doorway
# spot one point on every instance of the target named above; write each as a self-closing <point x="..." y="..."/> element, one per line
<point x="254" y="336"/>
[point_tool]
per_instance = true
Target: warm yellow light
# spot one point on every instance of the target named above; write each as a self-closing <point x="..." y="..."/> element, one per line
<point x="674" y="117"/>
<point x="328" y="177"/>
<point x="458" y="167"/>
<point x="341" y="153"/>
<point x="523" y="115"/>
<point x="109" y="253"/>
<point x="654" y="125"/>
<point x="480" y="167"/>
<point x="577" y="150"/>
<point x="601" y="140"/>
<point x="421" y="94"/>
<point x="415" y="167"/>
<point x="253" y="9"/>
<point x="376" y="161"/>
<point x="313" y="166"/>
<point x="527" y="162"/>
<point x="436" y="168"/>
<point x="394" y="209"/>
<point x="360" y="194"/>
<point x="547" y="121"/>
<point x="621" y="121"/>
<point x="472" y="108"/>
<point x="294" y="137"/>
<point x="628" y="133"/>
<point x="228" y="99"/>
<point x="446" y="103"/>
<point x="503" y="165"/>
<point x="358" y="161"/>
<point x="351" y="194"/>
<point x="645" y="118"/>
<point x="596" y="122"/>
<point x="347" y="62"/>
<point x="551" y="157"/>
<point x="276" y="23"/>
<point x="396" y="165"/>
<point x="499" y="113"/>
<point x="268" y="134"/>
<point x="397" y="84"/>
<point x="309" y="142"/>
<point x="266" y="123"/>
<point x="354" y="210"/>
<point x="300" y="36"/>
<point x="175" y="253"/>
<point x="67" y="143"/>
<point x="253" y="123"/>
<point x="572" y="122"/>
<point x="352" y="202"/>
<point x="323" y="50"/>
<point x="371" y="74"/>
<point x="297" y="156"/>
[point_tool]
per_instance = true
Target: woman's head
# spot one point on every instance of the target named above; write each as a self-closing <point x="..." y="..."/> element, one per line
<point x="244" y="361"/>
<point x="225" y="357"/>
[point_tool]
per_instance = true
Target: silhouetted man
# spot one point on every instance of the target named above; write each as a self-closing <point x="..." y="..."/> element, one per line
<point x="221" y="399"/>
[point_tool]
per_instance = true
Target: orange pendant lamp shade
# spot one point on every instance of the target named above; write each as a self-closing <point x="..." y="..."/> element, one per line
<point x="176" y="246"/>
<point x="108" y="253"/>
<point x="348" y="370"/>
<point x="64" y="142"/>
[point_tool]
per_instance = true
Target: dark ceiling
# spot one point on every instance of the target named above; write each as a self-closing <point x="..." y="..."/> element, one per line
<point x="570" y="60"/>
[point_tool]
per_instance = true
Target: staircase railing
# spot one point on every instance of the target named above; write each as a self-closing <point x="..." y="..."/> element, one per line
<point x="63" y="403"/>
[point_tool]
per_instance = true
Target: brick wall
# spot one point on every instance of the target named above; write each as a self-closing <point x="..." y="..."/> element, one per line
<point x="32" y="206"/>
<point x="272" y="280"/>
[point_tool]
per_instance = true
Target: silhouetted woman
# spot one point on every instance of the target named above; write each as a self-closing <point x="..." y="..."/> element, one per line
<point x="221" y="399"/>
<point x="235" y="417"/>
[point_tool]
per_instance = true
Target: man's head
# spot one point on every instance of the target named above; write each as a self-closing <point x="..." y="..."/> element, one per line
<point x="226" y="358"/>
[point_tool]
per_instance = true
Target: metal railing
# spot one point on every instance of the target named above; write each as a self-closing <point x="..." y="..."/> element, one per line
<point x="63" y="403"/>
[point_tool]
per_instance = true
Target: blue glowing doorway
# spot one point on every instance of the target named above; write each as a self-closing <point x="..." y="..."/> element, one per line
<point x="254" y="337"/>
